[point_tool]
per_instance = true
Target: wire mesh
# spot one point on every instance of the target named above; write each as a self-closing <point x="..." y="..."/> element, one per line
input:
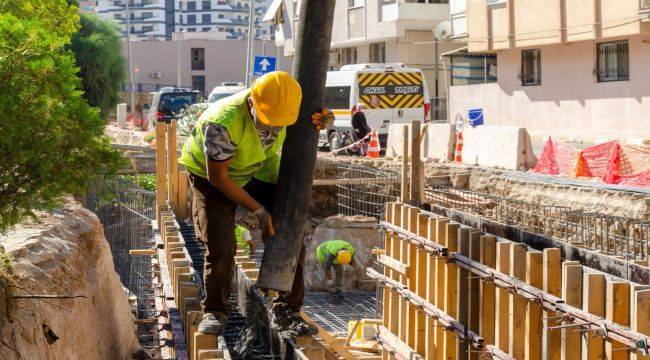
<point x="370" y="192"/>
<point x="125" y="211"/>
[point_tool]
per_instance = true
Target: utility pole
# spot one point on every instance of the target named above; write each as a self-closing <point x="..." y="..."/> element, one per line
<point x="251" y="36"/>
<point x="128" y="50"/>
<point x="293" y="191"/>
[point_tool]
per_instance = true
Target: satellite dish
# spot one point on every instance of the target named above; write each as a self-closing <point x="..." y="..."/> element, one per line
<point x="443" y="30"/>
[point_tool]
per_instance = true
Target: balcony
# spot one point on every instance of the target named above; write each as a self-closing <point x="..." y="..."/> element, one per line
<point x="405" y="10"/>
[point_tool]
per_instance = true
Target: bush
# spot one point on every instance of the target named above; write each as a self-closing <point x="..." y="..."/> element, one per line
<point x="144" y="181"/>
<point x="51" y="140"/>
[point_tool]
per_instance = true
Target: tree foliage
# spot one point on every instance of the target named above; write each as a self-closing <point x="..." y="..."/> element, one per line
<point x="51" y="140"/>
<point x="97" y="49"/>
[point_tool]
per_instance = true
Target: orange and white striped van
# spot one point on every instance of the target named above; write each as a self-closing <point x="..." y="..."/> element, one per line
<point x="391" y="94"/>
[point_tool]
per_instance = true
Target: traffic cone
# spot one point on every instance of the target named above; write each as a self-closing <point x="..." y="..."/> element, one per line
<point x="458" y="155"/>
<point x="373" y="147"/>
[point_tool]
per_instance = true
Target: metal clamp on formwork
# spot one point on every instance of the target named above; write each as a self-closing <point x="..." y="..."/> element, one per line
<point x="416" y="239"/>
<point x="431" y="310"/>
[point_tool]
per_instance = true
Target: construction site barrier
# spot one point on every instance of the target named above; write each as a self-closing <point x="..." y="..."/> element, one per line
<point x="453" y="292"/>
<point x="610" y="162"/>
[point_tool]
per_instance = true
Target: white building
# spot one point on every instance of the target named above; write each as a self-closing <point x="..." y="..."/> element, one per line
<point x="155" y="19"/>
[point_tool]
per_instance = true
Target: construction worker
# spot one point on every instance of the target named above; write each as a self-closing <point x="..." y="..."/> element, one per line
<point x="232" y="157"/>
<point x="335" y="253"/>
<point x="245" y="240"/>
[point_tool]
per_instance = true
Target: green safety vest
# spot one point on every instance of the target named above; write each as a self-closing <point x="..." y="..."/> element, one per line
<point x="239" y="235"/>
<point x="250" y="159"/>
<point x="332" y="247"/>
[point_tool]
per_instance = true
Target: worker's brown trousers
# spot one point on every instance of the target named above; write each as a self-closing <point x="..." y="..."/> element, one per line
<point x="214" y="223"/>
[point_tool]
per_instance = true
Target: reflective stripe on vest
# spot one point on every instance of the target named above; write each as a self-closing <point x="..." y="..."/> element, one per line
<point x="250" y="159"/>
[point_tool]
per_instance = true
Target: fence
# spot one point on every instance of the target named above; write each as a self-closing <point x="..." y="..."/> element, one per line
<point x="126" y="211"/>
<point x="454" y="292"/>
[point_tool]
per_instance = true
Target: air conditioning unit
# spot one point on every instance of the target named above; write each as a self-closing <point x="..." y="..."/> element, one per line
<point x="156" y="74"/>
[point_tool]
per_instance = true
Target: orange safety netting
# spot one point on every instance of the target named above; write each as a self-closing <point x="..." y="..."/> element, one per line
<point x="610" y="162"/>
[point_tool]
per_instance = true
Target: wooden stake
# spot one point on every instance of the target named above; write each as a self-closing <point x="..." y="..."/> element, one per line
<point x="422" y="277"/>
<point x="534" y="324"/>
<point x="552" y="277"/>
<point x="431" y="285"/>
<point x="463" y="291"/>
<point x="451" y="290"/>
<point x="502" y="334"/>
<point x="639" y="317"/>
<point x="441" y="284"/>
<point x="475" y="298"/>
<point x="395" y="252"/>
<point x="593" y="302"/>
<point x="617" y="310"/>
<point x="572" y="295"/>
<point x="405" y="194"/>
<point x="488" y="295"/>
<point x="517" y="304"/>
<point x="404" y="326"/>
<point x="183" y="194"/>
<point x="388" y="272"/>
<point x="172" y="166"/>
<point x="161" y="167"/>
<point x="414" y="157"/>
<point x="411" y="260"/>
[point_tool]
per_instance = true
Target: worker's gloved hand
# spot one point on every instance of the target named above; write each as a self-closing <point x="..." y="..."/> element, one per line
<point x="322" y="119"/>
<point x="266" y="223"/>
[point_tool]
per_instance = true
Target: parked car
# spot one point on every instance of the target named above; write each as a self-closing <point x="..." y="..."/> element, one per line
<point x="390" y="94"/>
<point x="169" y="103"/>
<point x="226" y="89"/>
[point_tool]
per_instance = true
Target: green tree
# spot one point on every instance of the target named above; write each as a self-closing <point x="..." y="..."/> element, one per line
<point x="51" y="140"/>
<point x="97" y="48"/>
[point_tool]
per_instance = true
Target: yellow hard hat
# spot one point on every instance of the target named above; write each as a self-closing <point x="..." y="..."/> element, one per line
<point x="276" y="97"/>
<point x="344" y="257"/>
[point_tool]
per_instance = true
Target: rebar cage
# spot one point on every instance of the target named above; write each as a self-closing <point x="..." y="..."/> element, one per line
<point x="367" y="190"/>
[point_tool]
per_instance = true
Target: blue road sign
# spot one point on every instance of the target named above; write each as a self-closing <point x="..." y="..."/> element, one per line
<point x="263" y="64"/>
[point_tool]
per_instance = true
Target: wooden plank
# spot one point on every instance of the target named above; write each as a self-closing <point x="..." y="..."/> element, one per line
<point x="421" y="286"/>
<point x="462" y="351"/>
<point x="474" y="293"/>
<point x="502" y="334"/>
<point x="202" y="342"/>
<point x="161" y="167"/>
<point x="517" y="304"/>
<point x="403" y="331"/>
<point x="412" y="226"/>
<point x="183" y="195"/>
<point x="534" y="323"/>
<point x="572" y="295"/>
<point x="414" y="157"/>
<point x="552" y="278"/>
<point x="393" y="264"/>
<point x="172" y="165"/>
<point x="401" y="349"/>
<point x="387" y="298"/>
<point x="441" y="230"/>
<point x="593" y="302"/>
<point x="639" y="319"/>
<point x="431" y="284"/>
<point x="488" y="294"/>
<point x="330" y="341"/>
<point x="617" y="310"/>
<point x="451" y="290"/>
<point x="395" y="253"/>
<point x="143" y="252"/>
<point x="405" y="194"/>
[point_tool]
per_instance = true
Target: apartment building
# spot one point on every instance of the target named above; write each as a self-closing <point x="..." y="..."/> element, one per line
<point x="376" y="31"/>
<point x="156" y="19"/>
<point x="573" y="69"/>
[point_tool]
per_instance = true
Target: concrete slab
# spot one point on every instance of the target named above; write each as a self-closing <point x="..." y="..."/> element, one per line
<point x="438" y="141"/>
<point x="507" y="147"/>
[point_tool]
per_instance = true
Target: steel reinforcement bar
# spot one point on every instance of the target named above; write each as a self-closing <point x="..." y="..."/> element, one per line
<point x="601" y="326"/>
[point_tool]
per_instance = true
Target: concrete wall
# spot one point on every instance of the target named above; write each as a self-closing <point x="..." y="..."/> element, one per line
<point x="537" y="22"/>
<point x="506" y="147"/>
<point x="438" y="143"/>
<point x="569" y="103"/>
<point x="224" y="60"/>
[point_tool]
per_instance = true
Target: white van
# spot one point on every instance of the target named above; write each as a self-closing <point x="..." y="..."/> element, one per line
<point x="226" y="89"/>
<point x="391" y="93"/>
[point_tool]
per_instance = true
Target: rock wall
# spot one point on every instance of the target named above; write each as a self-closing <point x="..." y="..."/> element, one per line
<point x="65" y="253"/>
<point x="361" y="232"/>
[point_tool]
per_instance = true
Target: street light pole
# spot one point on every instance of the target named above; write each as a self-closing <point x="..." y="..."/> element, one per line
<point x="251" y="36"/>
<point x="178" y="58"/>
<point x="128" y="50"/>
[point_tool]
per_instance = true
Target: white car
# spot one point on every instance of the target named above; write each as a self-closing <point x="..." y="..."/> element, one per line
<point x="226" y="89"/>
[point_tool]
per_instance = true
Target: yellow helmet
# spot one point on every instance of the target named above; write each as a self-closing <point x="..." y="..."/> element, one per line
<point x="344" y="257"/>
<point x="276" y="97"/>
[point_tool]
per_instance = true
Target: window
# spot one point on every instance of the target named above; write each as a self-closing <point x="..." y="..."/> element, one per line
<point x="206" y="18"/>
<point x="378" y="52"/>
<point x="147" y="15"/>
<point x="531" y="67"/>
<point x="191" y="19"/>
<point x="191" y="5"/>
<point x="147" y="29"/>
<point x="117" y="3"/>
<point x="348" y="56"/>
<point x="613" y="61"/>
<point x="337" y="97"/>
<point x="117" y="16"/>
<point x="206" y="29"/>
<point x="355" y="3"/>
<point x="191" y="29"/>
<point x="205" y="5"/>
<point x="220" y="16"/>
<point x="198" y="83"/>
<point x="198" y="58"/>
<point x="296" y="8"/>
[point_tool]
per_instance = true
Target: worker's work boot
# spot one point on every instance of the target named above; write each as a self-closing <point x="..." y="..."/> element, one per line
<point x="212" y="324"/>
<point x="287" y="318"/>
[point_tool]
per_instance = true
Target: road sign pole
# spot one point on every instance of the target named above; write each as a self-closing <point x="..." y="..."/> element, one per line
<point x="251" y="36"/>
